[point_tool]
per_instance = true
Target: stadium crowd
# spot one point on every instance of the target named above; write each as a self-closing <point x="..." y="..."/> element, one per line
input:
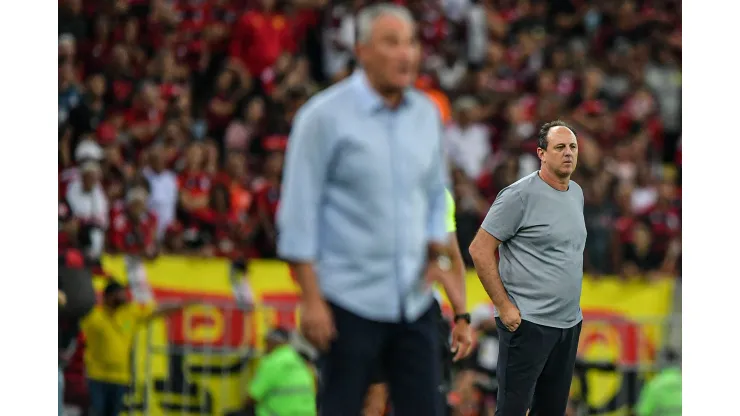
<point x="174" y="116"/>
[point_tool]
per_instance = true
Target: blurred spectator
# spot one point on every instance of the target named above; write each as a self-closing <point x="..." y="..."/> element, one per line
<point x="450" y="68"/>
<point x="206" y="92"/>
<point x="339" y="38"/>
<point x="663" y="76"/>
<point x="467" y="141"/>
<point x="69" y="92"/>
<point x="71" y="19"/>
<point x="267" y="198"/>
<point x="477" y="32"/>
<point x="133" y="227"/>
<point x="163" y="184"/>
<point x="109" y="330"/>
<point x="425" y="83"/>
<point x="87" y="116"/>
<point x="600" y="214"/>
<point x="121" y="80"/>
<point x="144" y="118"/>
<point x="194" y="182"/>
<point x="222" y="107"/>
<point x="260" y="37"/>
<point x="242" y="130"/>
<point x="87" y="201"/>
<point x="283" y="382"/>
<point x="662" y="394"/>
<point x="235" y="178"/>
<point x="639" y="254"/>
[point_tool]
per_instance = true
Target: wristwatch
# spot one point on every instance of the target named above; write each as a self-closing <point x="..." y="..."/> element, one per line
<point x="444" y="263"/>
<point x="464" y="316"/>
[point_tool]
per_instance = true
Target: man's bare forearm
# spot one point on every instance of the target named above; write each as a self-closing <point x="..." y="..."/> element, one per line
<point x="487" y="270"/>
<point x="483" y="251"/>
<point x="456" y="291"/>
<point x="307" y="280"/>
<point x="435" y="250"/>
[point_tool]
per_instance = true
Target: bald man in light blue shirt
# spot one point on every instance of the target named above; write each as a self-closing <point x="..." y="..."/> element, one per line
<point x="362" y="221"/>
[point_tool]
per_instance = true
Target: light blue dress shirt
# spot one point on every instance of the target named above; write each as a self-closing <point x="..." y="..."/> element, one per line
<point x="363" y="195"/>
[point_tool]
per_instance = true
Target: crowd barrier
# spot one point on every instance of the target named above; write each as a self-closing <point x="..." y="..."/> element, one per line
<point x="198" y="361"/>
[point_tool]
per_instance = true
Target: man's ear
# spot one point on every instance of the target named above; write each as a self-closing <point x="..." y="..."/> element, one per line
<point x="541" y="154"/>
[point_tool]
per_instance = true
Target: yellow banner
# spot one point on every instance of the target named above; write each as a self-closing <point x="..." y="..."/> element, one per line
<point x="198" y="360"/>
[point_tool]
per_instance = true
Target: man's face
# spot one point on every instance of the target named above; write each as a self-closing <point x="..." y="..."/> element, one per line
<point x="156" y="158"/>
<point x="391" y="54"/>
<point x="120" y="57"/>
<point x="561" y="154"/>
<point x="150" y="94"/>
<point x="274" y="164"/>
<point x="464" y="116"/>
<point x="268" y="4"/>
<point x="89" y="179"/>
<point x="137" y="208"/>
<point x="235" y="164"/>
<point x="116" y="299"/>
<point x="97" y="85"/>
<point x="195" y="156"/>
<point x="667" y="192"/>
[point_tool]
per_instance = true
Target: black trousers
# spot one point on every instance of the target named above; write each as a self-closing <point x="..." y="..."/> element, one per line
<point x="535" y="369"/>
<point x="407" y="352"/>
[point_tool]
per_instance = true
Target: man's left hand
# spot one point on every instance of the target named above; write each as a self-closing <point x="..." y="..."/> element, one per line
<point x="462" y="340"/>
<point x="435" y="274"/>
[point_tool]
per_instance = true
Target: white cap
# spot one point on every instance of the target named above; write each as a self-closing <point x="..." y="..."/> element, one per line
<point x="88" y="150"/>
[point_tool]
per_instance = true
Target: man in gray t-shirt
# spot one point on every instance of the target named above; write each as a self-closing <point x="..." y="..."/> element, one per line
<point x="537" y="225"/>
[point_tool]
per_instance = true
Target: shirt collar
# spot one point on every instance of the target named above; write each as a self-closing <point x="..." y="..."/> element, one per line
<point x="370" y="100"/>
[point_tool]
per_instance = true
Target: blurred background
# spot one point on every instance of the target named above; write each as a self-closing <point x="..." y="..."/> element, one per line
<point x="174" y="116"/>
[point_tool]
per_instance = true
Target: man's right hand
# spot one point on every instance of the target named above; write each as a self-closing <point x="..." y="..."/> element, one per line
<point x="317" y="323"/>
<point x="510" y="317"/>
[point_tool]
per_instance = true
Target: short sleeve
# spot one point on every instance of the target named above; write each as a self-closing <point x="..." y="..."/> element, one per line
<point x="451" y="223"/>
<point x="505" y="216"/>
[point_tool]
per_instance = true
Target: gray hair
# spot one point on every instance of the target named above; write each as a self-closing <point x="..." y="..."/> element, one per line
<point x="367" y="16"/>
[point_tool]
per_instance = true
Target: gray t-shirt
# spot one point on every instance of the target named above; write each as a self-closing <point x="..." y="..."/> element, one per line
<point x="541" y="257"/>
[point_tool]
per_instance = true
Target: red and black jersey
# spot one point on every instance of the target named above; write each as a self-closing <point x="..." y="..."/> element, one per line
<point x="267" y="199"/>
<point x="665" y="225"/>
<point x="132" y="235"/>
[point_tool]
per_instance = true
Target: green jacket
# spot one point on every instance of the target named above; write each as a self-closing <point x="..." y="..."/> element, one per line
<point x="283" y="385"/>
<point x="661" y="396"/>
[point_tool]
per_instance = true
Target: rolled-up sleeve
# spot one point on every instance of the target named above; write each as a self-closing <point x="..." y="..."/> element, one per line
<point x="304" y="178"/>
<point x="437" y="182"/>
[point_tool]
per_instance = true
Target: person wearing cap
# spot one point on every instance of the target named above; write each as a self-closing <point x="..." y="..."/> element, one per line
<point x="87" y="150"/>
<point x="88" y="202"/>
<point x="283" y="383"/>
<point x="109" y="329"/>
<point x="467" y="141"/>
<point x="133" y="226"/>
